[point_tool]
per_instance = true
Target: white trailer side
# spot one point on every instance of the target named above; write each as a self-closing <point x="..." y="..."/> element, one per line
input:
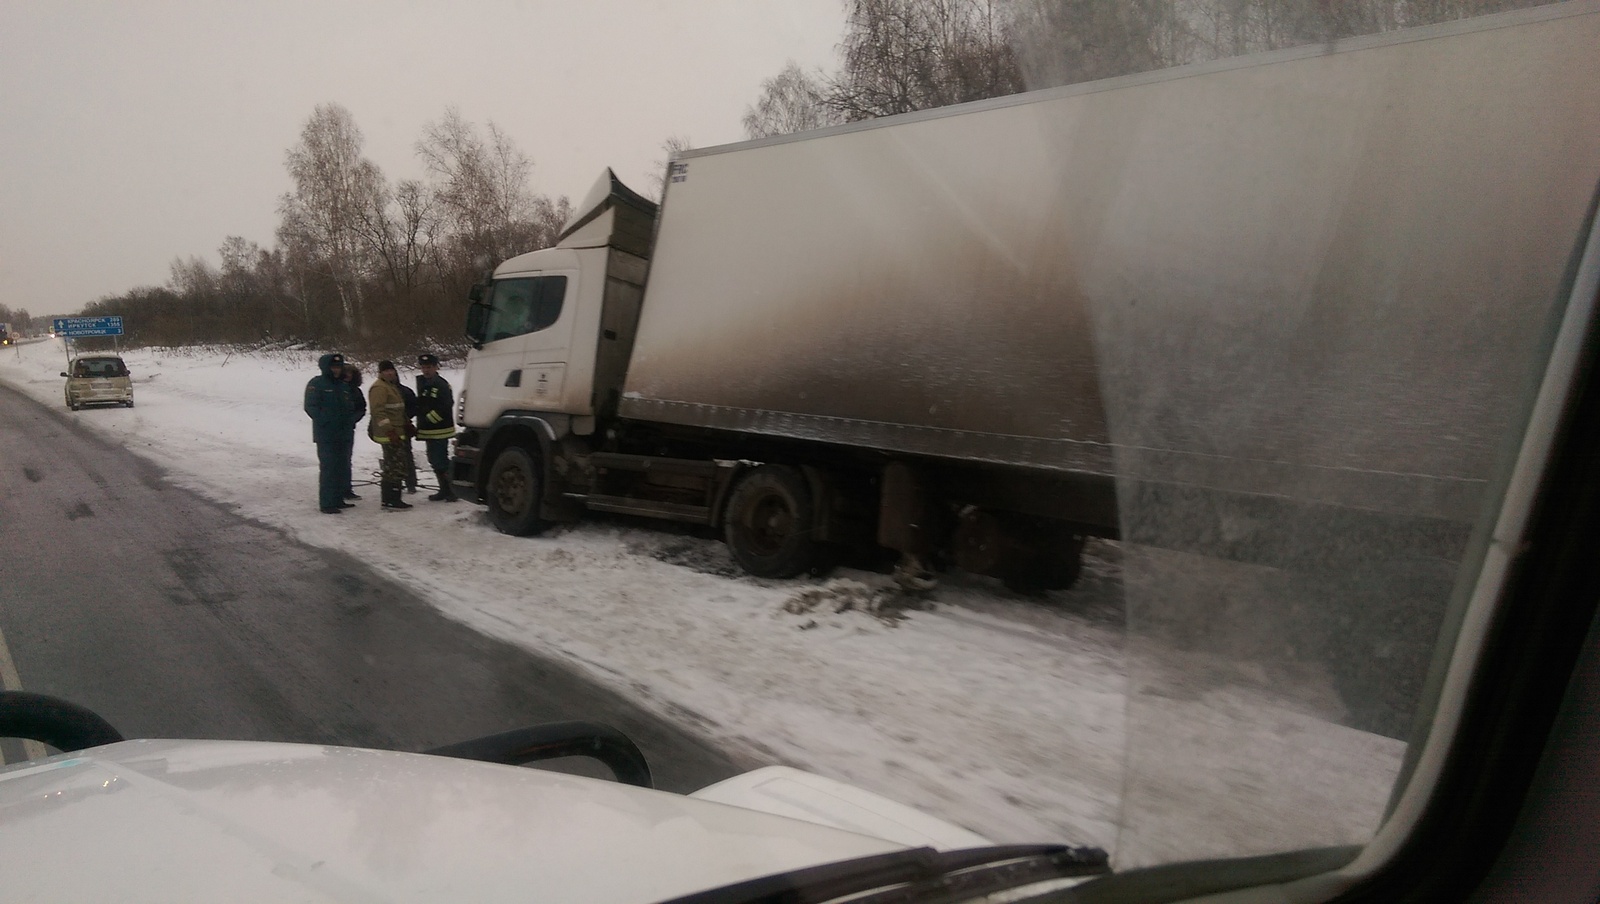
<point x="1039" y="281"/>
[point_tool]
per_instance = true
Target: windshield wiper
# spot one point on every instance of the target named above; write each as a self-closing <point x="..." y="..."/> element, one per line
<point x="916" y="874"/>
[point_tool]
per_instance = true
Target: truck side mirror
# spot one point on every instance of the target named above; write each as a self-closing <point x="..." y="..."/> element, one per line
<point x="477" y="322"/>
<point x="63" y="373"/>
<point x="475" y="294"/>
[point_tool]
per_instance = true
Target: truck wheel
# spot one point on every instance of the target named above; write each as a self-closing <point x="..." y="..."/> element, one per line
<point x="513" y="491"/>
<point x="1053" y="567"/>
<point x="769" y="523"/>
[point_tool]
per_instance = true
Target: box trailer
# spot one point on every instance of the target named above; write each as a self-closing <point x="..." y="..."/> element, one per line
<point x="979" y="334"/>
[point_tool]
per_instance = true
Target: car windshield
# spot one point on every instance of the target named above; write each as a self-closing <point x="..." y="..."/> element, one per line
<point x="1082" y="424"/>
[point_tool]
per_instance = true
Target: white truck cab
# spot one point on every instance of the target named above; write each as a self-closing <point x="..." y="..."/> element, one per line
<point x="559" y="322"/>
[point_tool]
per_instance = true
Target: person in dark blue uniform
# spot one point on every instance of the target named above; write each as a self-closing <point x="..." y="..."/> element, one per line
<point x="332" y="410"/>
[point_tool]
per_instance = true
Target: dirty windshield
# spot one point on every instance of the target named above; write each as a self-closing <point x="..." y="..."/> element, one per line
<point x="1078" y="422"/>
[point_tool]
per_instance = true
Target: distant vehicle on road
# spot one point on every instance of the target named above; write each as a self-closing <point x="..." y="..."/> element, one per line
<point x="5" y="334"/>
<point x="98" y="380"/>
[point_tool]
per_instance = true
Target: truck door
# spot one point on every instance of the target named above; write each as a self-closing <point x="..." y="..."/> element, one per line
<point x="528" y="337"/>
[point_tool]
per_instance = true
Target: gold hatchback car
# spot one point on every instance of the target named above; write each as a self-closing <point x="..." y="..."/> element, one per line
<point x="98" y="380"/>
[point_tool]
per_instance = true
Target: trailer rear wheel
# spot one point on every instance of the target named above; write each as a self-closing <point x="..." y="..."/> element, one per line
<point x="770" y="523"/>
<point x="1054" y="566"/>
<point x="513" y="491"/>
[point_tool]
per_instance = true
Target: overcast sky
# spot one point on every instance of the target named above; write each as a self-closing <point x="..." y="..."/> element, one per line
<point x="133" y="133"/>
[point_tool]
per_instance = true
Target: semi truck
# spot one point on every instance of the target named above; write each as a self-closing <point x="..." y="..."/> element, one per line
<point x="978" y="335"/>
<point x="617" y="372"/>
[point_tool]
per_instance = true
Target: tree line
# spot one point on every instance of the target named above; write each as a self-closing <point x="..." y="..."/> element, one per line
<point x="21" y="321"/>
<point x="369" y="264"/>
<point x="897" y="56"/>
<point x="359" y="261"/>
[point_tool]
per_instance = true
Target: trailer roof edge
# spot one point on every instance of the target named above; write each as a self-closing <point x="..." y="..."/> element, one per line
<point x="1558" y="10"/>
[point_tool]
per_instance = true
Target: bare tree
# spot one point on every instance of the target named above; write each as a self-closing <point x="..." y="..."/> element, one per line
<point x="359" y="259"/>
<point x="671" y="147"/>
<point x="904" y="55"/>
<point x="193" y="277"/>
<point x="543" y="228"/>
<point x="791" y="101"/>
<point x="237" y="290"/>
<point x="898" y="56"/>
<point x="1063" y="42"/>
<point x="334" y="189"/>
<point x="238" y="256"/>
<point x="20" y="320"/>
<point x="481" y="186"/>
<point x="400" y="226"/>
<point x="1067" y="41"/>
<point x="1425" y="12"/>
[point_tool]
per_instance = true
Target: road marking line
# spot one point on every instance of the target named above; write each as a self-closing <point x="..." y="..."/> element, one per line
<point x="11" y="681"/>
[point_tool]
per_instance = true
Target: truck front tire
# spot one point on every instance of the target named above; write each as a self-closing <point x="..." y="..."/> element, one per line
<point x="513" y="491"/>
<point x="770" y="523"/>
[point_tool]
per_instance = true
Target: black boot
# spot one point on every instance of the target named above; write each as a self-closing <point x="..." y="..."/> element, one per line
<point x="446" y="493"/>
<point x="391" y="497"/>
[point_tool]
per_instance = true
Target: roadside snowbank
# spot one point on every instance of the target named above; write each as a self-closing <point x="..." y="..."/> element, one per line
<point x="1004" y="714"/>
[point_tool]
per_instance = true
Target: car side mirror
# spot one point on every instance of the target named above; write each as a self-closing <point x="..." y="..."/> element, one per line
<point x="477" y="323"/>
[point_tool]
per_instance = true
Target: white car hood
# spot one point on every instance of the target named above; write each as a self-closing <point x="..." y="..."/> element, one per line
<point x="238" y="821"/>
<point x="801" y="795"/>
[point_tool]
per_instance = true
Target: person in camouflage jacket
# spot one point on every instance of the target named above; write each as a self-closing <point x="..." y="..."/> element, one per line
<point x="386" y="425"/>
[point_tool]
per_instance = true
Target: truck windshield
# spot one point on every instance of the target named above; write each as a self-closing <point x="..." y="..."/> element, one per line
<point x="525" y="305"/>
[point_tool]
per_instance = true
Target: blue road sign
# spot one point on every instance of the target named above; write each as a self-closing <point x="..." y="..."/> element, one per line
<point x="75" y="327"/>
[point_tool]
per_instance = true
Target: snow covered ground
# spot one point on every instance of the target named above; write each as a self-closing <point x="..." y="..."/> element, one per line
<point x="1008" y="715"/>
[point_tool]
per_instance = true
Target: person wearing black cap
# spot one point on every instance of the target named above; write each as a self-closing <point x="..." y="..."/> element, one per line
<point x="387" y="427"/>
<point x="436" y="423"/>
<point x="332" y="410"/>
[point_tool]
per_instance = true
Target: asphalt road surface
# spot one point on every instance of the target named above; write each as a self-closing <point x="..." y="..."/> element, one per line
<point x="172" y="616"/>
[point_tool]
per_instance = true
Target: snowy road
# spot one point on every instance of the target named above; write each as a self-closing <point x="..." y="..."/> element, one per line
<point x="174" y="617"/>
<point x="1008" y="715"/>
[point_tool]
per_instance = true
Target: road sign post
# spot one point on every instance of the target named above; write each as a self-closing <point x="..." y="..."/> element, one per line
<point x="70" y="328"/>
